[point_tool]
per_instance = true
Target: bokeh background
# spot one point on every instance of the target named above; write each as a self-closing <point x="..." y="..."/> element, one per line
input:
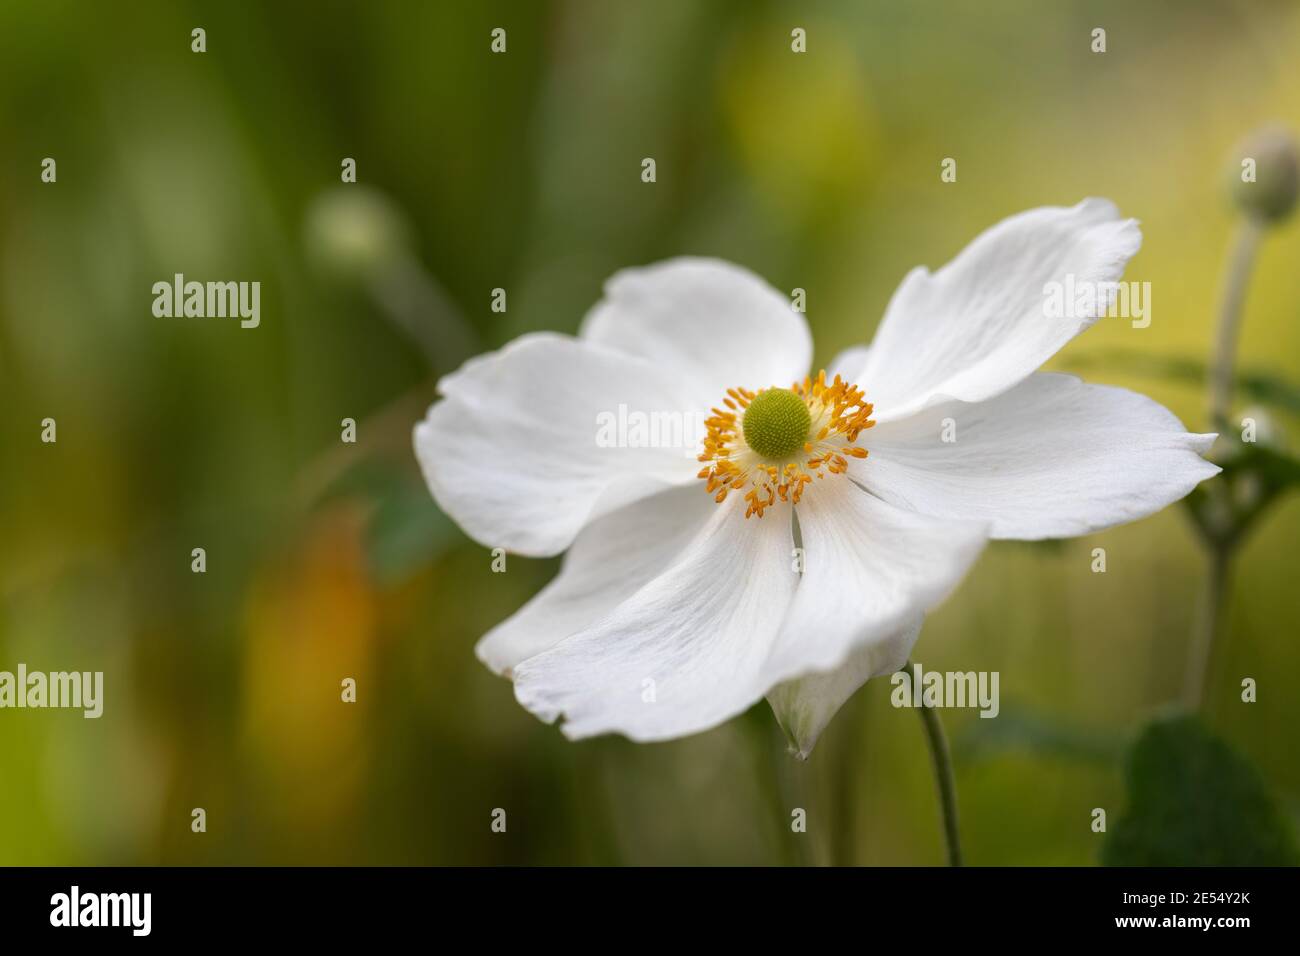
<point x="522" y="171"/>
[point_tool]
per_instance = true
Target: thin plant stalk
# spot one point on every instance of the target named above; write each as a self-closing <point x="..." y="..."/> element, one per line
<point x="941" y="757"/>
<point x="1219" y="541"/>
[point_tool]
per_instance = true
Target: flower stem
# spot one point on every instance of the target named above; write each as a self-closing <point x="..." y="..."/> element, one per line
<point x="1241" y="260"/>
<point x="943" y="776"/>
<point x="1209" y="625"/>
<point x="1220" y="537"/>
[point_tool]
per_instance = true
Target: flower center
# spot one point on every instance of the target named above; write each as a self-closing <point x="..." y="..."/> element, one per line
<point x="771" y="443"/>
<point x="776" y="423"/>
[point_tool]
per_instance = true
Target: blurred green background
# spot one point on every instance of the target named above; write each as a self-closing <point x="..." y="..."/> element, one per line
<point x="522" y="171"/>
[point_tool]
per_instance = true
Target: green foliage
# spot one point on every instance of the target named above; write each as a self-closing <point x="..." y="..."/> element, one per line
<point x="406" y="530"/>
<point x="1022" y="731"/>
<point x="1195" y="801"/>
<point x="1254" y="475"/>
<point x="1254" y="385"/>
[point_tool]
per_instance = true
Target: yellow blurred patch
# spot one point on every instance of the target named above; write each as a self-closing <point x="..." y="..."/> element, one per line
<point x="804" y="124"/>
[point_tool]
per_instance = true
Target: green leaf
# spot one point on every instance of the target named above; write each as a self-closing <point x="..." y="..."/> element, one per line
<point x="407" y="530"/>
<point x="1195" y="801"/>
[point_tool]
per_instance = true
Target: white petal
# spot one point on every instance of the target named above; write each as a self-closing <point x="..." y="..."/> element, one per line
<point x="1051" y="458"/>
<point x="869" y="569"/>
<point x="981" y="324"/>
<point x="610" y="560"/>
<point x="687" y="650"/>
<point x="514" y="452"/>
<point x="849" y="364"/>
<point x="804" y="707"/>
<point x="717" y="325"/>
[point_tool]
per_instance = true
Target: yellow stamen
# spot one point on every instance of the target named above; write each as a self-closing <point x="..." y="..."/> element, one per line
<point x="838" y="413"/>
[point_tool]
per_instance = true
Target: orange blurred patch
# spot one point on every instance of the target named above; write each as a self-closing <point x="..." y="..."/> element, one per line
<point x="311" y="624"/>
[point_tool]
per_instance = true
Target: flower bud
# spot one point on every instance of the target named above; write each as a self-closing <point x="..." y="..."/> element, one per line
<point x="1267" y="174"/>
<point x="355" y="232"/>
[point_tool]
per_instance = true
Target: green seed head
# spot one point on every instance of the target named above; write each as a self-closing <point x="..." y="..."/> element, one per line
<point x="777" y="423"/>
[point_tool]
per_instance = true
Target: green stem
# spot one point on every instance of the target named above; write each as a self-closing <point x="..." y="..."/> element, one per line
<point x="1209" y="625"/>
<point x="941" y="756"/>
<point x="1219" y="534"/>
<point x="770" y="763"/>
<point x="1240" y="263"/>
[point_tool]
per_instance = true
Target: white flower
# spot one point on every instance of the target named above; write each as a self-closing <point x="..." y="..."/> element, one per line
<point x="681" y="601"/>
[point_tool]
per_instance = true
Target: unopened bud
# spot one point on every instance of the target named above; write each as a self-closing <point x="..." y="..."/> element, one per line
<point x="355" y="232"/>
<point x="1267" y="174"/>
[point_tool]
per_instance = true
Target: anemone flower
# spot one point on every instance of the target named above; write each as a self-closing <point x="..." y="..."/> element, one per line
<point x="794" y="550"/>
